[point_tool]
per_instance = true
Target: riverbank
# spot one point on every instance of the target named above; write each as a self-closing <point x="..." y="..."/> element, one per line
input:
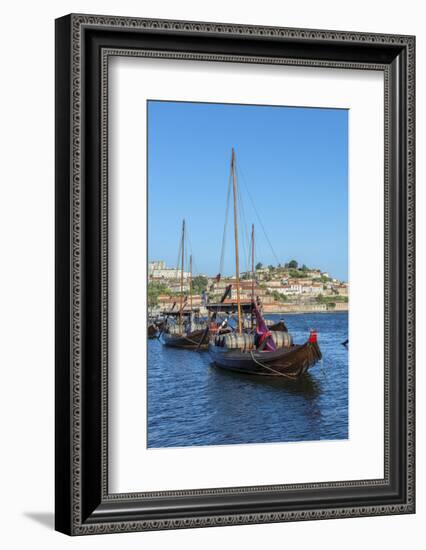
<point x="298" y="308"/>
<point x="302" y="312"/>
<point x="293" y="309"/>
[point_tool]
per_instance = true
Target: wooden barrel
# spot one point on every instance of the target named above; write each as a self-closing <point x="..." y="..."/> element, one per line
<point x="242" y="341"/>
<point x="198" y="326"/>
<point x="175" y="329"/>
<point x="282" y="339"/>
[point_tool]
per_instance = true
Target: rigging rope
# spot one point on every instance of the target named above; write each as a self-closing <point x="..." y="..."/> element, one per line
<point x="258" y="217"/>
<point x="243" y="179"/>
<point x="228" y="199"/>
<point x="178" y="257"/>
<point x="195" y="268"/>
<point x="244" y="232"/>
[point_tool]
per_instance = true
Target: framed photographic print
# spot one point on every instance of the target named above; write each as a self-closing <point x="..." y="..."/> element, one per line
<point x="234" y="274"/>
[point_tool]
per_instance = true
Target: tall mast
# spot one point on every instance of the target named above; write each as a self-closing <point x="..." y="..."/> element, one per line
<point x="237" y="268"/>
<point x="252" y="269"/>
<point x="181" y="277"/>
<point x="190" y="281"/>
<point x="252" y="262"/>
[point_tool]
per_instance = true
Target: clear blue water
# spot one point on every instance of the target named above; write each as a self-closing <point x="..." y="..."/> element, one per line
<point x="192" y="402"/>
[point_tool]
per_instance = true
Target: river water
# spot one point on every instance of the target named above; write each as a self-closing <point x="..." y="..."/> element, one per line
<point x="192" y="402"/>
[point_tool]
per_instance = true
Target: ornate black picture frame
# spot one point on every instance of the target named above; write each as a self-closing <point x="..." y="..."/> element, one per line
<point x="83" y="45"/>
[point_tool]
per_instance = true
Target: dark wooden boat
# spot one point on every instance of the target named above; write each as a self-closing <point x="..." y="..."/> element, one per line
<point x="196" y="340"/>
<point x="160" y="324"/>
<point x="152" y="330"/>
<point x="280" y="326"/>
<point x="269" y="351"/>
<point x="187" y="331"/>
<point x="290" y="362"/>
<point x="176" y="334"/>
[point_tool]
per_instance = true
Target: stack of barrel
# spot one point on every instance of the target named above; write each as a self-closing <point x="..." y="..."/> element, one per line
<point x="247" y="342"/>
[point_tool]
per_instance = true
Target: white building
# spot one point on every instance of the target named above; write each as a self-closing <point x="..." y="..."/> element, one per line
<point x="156" y="265"/>
<point x="158" y="270"/>
<point x="289" y="290"/>
<point x="312" y="289"/>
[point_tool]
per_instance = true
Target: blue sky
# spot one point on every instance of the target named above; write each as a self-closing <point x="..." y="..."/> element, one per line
<point x="293" y="162"/>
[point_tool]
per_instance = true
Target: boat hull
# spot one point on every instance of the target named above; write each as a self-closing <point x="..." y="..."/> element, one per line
<point x="290" y="362"/>
<point x="280" y="326"/>
<point x="191" y="341"/>
<point x="152" y="331"/>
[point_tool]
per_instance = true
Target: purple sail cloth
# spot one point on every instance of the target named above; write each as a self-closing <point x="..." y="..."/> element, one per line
<point x="262" y="330"/>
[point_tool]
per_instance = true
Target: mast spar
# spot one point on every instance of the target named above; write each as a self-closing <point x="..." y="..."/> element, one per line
<point x="237" y="268"/>
<point x="252" y="269"/>
<point x="252" y="262"/>
<point x="181" y="277"/>
<point x="190" y="281"/>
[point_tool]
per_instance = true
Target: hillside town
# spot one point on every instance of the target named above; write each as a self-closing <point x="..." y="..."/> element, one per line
<point x="287" y="288"/>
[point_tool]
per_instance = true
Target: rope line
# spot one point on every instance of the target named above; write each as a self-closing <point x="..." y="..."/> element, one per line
<point x="258" y="217"/>
<point x="244" y="232"/>
<point x="271" y="369"/>
<point x="222" y="252"/>
<point x="178" y="257"/>
<point x="187" y="338"/>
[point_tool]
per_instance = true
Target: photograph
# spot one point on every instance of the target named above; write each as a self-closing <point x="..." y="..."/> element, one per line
<point x="248" y="277"/>
<point x="234" y="274"/>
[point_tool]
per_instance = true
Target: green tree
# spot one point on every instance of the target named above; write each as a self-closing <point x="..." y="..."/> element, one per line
<point x="154" y="291"/>
<point x="199" y="283"/>
<point x="293" y="264"/>
<point x="259" y="265"/>
<point x="296" y="274"/>
<point x="321" y="279"/>
<point x="278" y="297"/>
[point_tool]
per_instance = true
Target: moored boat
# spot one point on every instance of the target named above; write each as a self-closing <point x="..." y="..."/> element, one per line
<point x="266" y="351"/>
<point x="152" y="330"/>
<point x="193" y="340"/>
<point x="187" y="331"/>
<point x="280" y="326"/>
<point x="289" y="362"/>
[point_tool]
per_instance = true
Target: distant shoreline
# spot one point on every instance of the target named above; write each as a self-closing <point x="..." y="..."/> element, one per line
<point x="301" y="312"/>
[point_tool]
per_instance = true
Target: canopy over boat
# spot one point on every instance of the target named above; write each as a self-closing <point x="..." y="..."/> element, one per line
<point x="230" y="306"/>
<point x="177" y="313"/>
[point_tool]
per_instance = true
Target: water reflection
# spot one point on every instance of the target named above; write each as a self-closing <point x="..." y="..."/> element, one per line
<point x="192" y="402"/>
<point x="306" y="385"/>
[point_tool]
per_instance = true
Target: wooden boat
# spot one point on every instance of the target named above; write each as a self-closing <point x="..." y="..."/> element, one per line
<point x="160" y="324"/>
<point x="195" y="340"/>
<point x="152" y="331"/>
<point x="280" y="326"/>
<point x="289" y="362"/>
<point x="266" y="352"/>
<point x="186" y="332"/>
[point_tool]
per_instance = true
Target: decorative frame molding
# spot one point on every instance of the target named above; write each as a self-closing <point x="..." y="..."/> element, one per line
<point x="84" y="44"/>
